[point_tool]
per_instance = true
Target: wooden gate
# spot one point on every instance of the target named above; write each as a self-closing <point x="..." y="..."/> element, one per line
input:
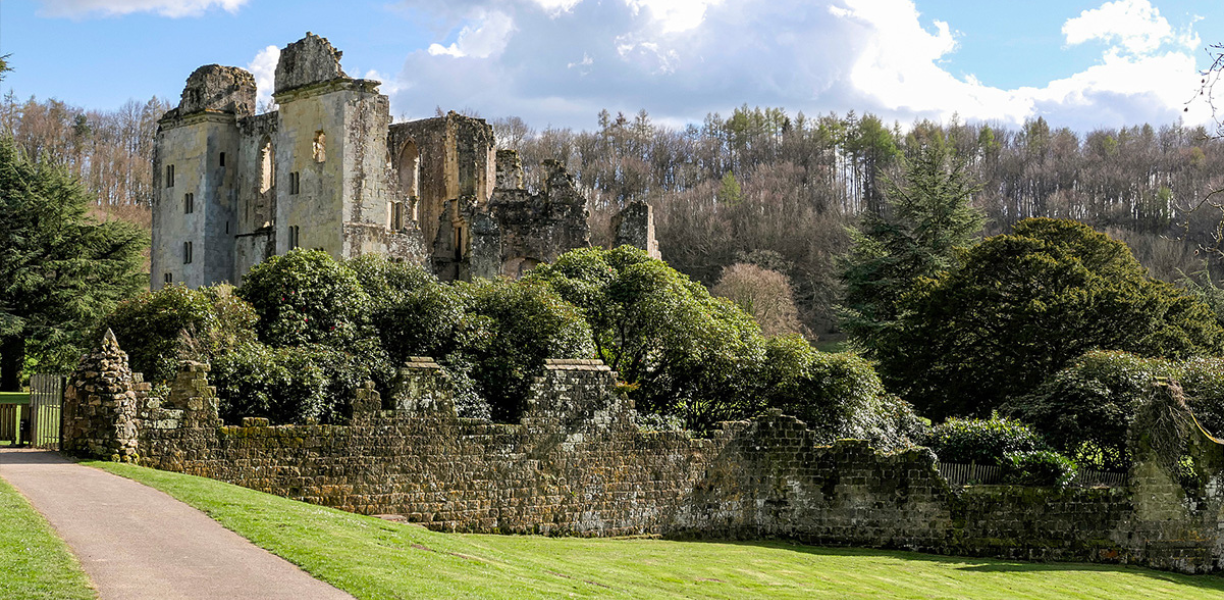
<point x="10" y="423"/>
<point x="46" y="399"/>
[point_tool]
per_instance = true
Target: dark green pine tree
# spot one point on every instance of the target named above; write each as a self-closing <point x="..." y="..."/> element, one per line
<point x="928" y="217"/>
<point x="60" y="271"/>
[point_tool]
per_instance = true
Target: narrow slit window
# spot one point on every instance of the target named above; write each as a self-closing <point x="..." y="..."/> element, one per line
<point x="188" y="203"/>
<point x="295" y="237"/>
<point x="169" y="278"/>
<point x="221" y="160"/>
<point x="187" y="253"/>
<point x="295" y="182"/>
<point x="169" y="176"/>
<point x="267" y="167"/>
<point x="397" y="216"/>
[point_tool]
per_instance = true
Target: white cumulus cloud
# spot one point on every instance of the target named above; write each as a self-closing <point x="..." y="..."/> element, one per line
<point x="484" y="39"/>
<point x="167" y="8"/>
<point x="1134" y="25"/>
<point x="560" y="62"/>
<point x="263" y="67"/>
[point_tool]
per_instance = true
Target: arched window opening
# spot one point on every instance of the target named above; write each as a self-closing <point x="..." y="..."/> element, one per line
<point x="320" y="146"/>
<point x="409" y="170"/>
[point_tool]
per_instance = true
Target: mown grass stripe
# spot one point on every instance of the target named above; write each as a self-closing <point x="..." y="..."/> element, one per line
<point x="375" y="559"/>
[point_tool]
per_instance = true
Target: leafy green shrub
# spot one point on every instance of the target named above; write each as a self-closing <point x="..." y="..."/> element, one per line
<point x="306" y="297"/>
<point x="151" y="327"/>
<point x="688" y="353"/>
<point x="836" y="395"/>
<point x="982" y="441"/>
<point x="1086" y="409"/>
<point x="509" y="329"/>
<point x="412" y="312"/>
<point x="1040" y="467"/>
<point x="286" y="385"/>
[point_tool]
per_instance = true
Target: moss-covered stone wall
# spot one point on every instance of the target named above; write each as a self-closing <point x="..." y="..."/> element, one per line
<point x="578" y="464"/>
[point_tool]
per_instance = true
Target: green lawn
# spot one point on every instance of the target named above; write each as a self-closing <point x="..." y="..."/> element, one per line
<point x="371" y="558"/>
<point x="34" y="563"/>
<point x="14" y="397"/>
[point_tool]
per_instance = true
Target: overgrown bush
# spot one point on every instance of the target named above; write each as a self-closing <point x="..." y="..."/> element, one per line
<point x="688" y="353"/>
<point x="286" y="385"/>
<point x="412" y="313"/>
<point x="511" y="327"/>
<point x="1021" y="307"/>
<point x="982" y="441"/>
<point x="157" y="329"/>
<point x="1039" y="467"/>
<point x="306" y="297"/>
<point x="836" y="395"/>
<point x="1087" y="409"/>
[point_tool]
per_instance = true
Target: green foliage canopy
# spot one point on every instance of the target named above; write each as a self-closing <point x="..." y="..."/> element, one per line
<point x="683" y="349"/>
<point x="306" y="297"/>
<point x="60" y="272"/>
<point x="157" y="329"/>
<point x="1025" y="305"/>
<point x="838" y="395"/>
<point x="930" y="218"/>
<point x="1086" y="410"/>
<point x="511" y="328"/>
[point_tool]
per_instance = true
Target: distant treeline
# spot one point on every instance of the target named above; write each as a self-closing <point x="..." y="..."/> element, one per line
<point x="780" y="190"/>
<point x="110" y="151"/>
<point x="764" y="186"/>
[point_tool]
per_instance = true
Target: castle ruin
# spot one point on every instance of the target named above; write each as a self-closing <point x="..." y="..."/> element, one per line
<point x="328" y="170"/>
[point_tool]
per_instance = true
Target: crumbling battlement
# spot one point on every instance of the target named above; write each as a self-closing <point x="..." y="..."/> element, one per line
<point x="578" y="464"/>
<point x="307" y="61"/>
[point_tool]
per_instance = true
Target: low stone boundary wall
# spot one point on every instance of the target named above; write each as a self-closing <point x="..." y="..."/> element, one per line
<point x="577" y="464"/>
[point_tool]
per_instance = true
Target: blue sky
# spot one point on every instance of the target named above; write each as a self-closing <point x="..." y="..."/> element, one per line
<point x="1079" y="64"/>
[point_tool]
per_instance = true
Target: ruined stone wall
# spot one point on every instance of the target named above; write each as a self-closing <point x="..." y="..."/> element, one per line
<point x="577" y="464"/>
<point x="634" y="226"/>
<point x="429" y="139"/>
<point x="523" y="229"/>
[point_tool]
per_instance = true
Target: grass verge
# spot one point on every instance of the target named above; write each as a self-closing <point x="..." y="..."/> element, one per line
<point x="371" y="558"/>
<point x="14" y="397"/>
<point x="34" y="563"/>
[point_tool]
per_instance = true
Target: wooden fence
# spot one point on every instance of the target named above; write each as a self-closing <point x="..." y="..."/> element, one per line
<point x="10" y="422"/>
<point x="973" y="474"/>
<point x="46" y="398"/>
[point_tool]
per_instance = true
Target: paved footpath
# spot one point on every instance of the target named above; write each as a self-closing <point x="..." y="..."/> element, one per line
<point x="137" y="543"/>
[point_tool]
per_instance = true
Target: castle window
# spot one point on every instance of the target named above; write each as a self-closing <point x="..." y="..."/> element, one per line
<point x="295" y="236"/>
<point x="397" y="216"/>
<point x="188" y="203"/>
<point x="320" y="146"/>
<point x="187" y="253"/>
<point x="267" y="167"/>
<point x="169" y="278"/>
<point x="295" y="182"/>
<point x="221" y="160"/>
<point x="169" y="176"/>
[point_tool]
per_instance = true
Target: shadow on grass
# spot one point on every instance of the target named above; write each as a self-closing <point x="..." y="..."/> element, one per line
<point x="992" y="565"/>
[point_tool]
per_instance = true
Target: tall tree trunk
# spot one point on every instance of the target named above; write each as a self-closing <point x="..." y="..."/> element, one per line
<point x="12" y="360"/>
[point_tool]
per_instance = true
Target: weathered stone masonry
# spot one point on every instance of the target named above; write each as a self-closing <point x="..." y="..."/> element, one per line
<point x="328" y="170"/>
<point x="577" y="464"/>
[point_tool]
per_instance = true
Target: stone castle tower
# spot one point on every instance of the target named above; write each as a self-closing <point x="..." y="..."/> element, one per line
<point x="328" y="170"/>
